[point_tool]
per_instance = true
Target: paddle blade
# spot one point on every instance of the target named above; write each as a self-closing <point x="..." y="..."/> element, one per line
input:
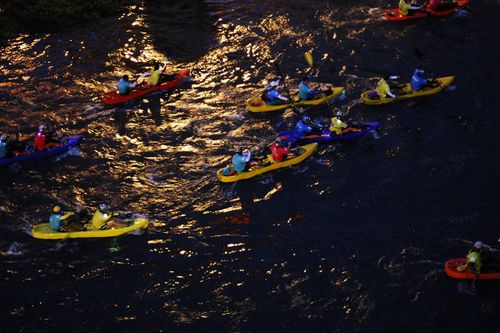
<point x="309" y="58"/>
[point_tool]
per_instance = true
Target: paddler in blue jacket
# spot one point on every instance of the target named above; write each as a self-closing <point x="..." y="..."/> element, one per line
<point x="124" y="85"/>
<point x="418" y="82"/>
<point x="57" y="218"/>
<point x="241" y="161"/>
<point x="302" y="128"/>
<point x="272" y="96"/>
<point x="305" y="92"/>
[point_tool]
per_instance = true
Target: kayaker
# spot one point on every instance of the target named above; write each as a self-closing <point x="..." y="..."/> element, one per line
<point x="406" y="8"/>
<point x="279" y="151"/>
<point x="241" y="161"/>
<point x="3" y="146"/>
<point x="383" y="88"/>
<point x="272" y="96"/>
<point x="103" y="219"/>
<point x="337" y="125"/>
<point x="40" y="138"/>
<point x="305" y="92"/>
<point x="418" y="82"/>
<point x="157" y="74"/>
<point x="56" y="219"/>
<point x="474" y="257"/>
<point x="124" y="85"/>
<point x="303" y="127"/>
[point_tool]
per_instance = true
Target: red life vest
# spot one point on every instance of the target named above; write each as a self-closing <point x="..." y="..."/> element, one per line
<point x="39" y="141"/>
<point x="278" y="152"/>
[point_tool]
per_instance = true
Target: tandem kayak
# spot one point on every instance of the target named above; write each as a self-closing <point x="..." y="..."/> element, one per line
<point x="43" y="231"/>
<point x="395" y="14"/>
<point x="406" y="92"/>
<point x="114" y="97"/>
<point x="256" y="104"/>
<point x="451" y="269"/>
<point x="352" y="132"/>
<point x="268" y="164"/>
<point x="67" y="144"/>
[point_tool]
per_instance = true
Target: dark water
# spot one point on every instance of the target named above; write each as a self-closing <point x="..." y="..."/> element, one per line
<point x="352" y="240"/>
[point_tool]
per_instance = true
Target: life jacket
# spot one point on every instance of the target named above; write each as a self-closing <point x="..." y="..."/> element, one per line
<point x="39" y="142"/>
<point x="474" y="258"/>
<point x="55" y="222"/>
<point x="301" y="130"/>
<point x="278" y="152"/>
<point x="154" y="79"/>
<point x="99" y="219"/>
<point x="337" y="125"/>
<point x="382" y="88"/>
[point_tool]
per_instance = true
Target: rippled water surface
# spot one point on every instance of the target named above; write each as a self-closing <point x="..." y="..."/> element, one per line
<point x="351" y="240"/>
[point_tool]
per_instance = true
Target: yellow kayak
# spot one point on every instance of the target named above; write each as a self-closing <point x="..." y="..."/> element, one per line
<point x="256" y="104"/>
<point x="406" y="92"/>
<point x="43" y="231"/>
<point x="269" y="164"/>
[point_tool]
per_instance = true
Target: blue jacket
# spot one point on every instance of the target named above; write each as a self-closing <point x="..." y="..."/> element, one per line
<point x="3" y="149"/>
<point x="301" y="130"/>
<point x="273" y="95"/>
<point x="239" y="163"/>
<point x="417" y="82"/>
<point x="305" y="91"/>
<point x="55" y="221"/>
<point x="123" y="86"/>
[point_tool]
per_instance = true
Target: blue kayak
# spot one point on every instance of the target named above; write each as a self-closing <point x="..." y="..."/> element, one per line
<point x="352" y="132"/>
<point x="67" y="144"/>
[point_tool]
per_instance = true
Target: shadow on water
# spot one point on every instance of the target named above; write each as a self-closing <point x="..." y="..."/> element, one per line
<point x="184" y="30"/>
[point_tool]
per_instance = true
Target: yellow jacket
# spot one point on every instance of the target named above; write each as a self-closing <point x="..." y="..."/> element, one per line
<point x="337" y="125"/>
<point x="99" y="219"/>
<point x="383" y="89"/>
<point x="155" y="77"/>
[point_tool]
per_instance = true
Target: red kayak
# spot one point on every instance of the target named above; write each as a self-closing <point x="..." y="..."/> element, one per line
<point x="395" y="15"/>
<point x="113" y="97"/>
<point x="450" y="267"/>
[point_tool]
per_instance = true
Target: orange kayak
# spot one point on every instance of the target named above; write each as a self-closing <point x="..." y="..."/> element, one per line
<point x="114" y="97"/>
<point x="452" y="270"/>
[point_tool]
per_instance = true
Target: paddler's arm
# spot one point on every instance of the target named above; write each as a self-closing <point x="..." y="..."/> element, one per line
<point x="65" y="216"/>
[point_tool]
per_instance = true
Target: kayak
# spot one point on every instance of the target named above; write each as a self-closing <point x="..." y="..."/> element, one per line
<point x="114" y="97"/>
<point x="43" y="231"/>
<point x="256" y="104"/>
<point x="352" y="132"/>
<point x="268" y="164"/>
<point x="450" y="267"/>
<point x="406" y="92"/>
<point x="395" y="15"/>
<point x="68" y="143"/>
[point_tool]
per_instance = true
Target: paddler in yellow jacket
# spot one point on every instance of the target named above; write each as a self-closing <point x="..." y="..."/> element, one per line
<point x="103" y="219"/>
<point x="156" y="74"/>
<point x="407" y="9"/>
<point x="383" y="89"/>
<point x="337" y="125"/>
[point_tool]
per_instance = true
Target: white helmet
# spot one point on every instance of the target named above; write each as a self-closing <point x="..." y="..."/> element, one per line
<point x="478" y="245"/>
<point x="103" y="206"/>
<point x="41" y="128"/>
<point x="3" y="137"/>
<point x="274" y="83"/>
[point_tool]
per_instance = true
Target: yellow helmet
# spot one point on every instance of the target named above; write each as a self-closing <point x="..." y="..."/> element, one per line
<point x="56" y="209"/>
